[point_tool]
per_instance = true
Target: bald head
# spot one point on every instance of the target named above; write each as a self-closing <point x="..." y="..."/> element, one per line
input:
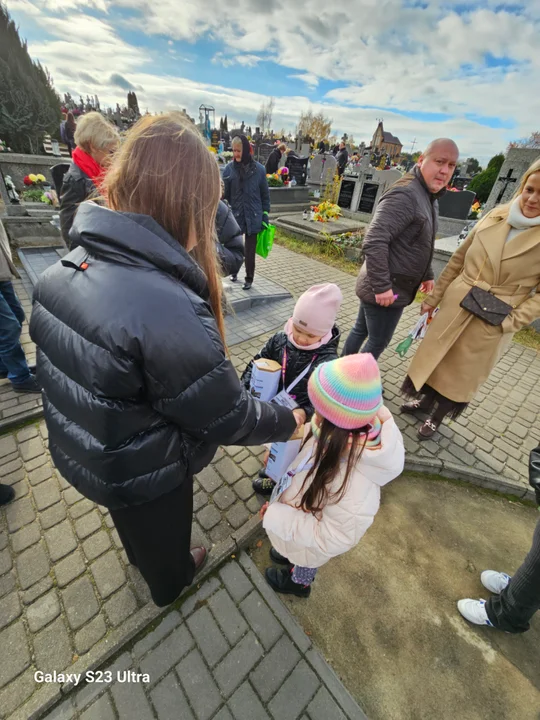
<point x="438" y="162"/>
<point x="441" y="144"/>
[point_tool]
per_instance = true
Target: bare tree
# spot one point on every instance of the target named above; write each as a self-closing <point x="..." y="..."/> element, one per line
<point x="532" y="142"/>
<point x="264" y="118"/>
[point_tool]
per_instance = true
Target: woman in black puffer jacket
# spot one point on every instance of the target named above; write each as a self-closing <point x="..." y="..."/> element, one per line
<point x="138" y="391"/>
<point x="230" y="245"/>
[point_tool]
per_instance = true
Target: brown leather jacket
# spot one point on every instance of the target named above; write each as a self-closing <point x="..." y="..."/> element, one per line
<point x="399" y="242"/>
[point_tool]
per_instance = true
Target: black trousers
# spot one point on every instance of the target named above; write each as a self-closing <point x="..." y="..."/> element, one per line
<point x="375" y="323"/>
<point x="515" y="606"/>
<point x="250" y="245"/>
<point x="156" y="536"/>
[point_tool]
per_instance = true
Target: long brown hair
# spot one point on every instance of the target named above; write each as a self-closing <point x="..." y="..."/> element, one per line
<point x="163" y="169"/>
<point x="332" y="445"/>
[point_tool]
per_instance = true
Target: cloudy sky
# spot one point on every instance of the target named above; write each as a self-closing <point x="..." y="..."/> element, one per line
<point x="467" y="69"/>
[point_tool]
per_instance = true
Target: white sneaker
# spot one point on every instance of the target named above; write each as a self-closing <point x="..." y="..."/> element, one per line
<point x="494" y="581"/>
<point x="474" y="611"/>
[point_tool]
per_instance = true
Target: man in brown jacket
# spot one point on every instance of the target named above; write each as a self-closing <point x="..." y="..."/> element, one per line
<point x="399" y="247"/>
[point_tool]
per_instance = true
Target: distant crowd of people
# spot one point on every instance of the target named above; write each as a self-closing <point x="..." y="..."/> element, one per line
<point x="138" y="388"/>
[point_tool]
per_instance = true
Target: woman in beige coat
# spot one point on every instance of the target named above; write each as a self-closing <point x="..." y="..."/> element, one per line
<point x="501" y="255"/>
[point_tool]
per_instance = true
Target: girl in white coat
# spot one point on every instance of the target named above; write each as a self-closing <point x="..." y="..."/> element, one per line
<point x="330" y="495"/>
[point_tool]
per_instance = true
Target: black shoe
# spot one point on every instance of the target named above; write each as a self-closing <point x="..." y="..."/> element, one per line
<point x="263" y="485"/>
<point x="281" y="581"/>
<point x="278" y="557"/>
<point x="7" y="494"/>
<point x="247" y="285"/>
<point x="32" y="368"/>
<point x="262" y="473"/>
<point x="28" y="386"/>
<point x="234" y="278"/>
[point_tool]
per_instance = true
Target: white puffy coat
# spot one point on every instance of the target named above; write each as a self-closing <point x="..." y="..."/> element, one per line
<point x="311" y="541"/>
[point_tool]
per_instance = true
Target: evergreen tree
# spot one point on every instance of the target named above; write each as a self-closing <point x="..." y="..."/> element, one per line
<point x="29" y="105"/>
<point x="482" y="183"/>
<point x="226" y="124"/>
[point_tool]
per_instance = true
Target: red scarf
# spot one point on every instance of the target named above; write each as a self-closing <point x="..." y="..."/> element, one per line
<point x="88" y="165"/>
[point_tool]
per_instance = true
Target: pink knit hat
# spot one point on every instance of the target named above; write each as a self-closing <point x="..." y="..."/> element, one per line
<point x="347" y="391"/>
<point x="316" y="310"/>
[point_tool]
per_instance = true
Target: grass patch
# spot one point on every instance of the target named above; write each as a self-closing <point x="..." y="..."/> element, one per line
<point x="527" y="337"/>
<point x="316" y="251"/>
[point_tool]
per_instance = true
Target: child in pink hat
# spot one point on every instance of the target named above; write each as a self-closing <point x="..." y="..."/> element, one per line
<point x="330" y="494"/>
<point x="310" y="337"/>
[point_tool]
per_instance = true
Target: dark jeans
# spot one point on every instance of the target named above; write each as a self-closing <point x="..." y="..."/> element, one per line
<point x="156" y="537"/>
<point x="12" y="357"/>
<point x="250" y="245"/>
<point x="515" y="606"/>
<point x="377" y="324"/>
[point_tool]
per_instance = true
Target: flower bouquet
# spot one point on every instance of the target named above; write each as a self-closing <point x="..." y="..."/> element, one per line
<point x="34" y="180"/>
<point x="274" y="180"/>
<point x="283" y="173"/>
<point x="326" y="212"/>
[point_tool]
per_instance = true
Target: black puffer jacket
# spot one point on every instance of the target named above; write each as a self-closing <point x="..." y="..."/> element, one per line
<point x="231" y="241"/>
<point x="297" y="360"/>
<point x="137" y="390"/>
<point x="76" y="188"/>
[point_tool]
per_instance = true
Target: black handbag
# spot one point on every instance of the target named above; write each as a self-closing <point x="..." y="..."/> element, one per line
<point x="486" y="306"/>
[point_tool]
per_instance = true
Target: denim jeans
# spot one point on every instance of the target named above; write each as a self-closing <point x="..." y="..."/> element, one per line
<point x="12" y="357"/>
<point x="377" y="324"/>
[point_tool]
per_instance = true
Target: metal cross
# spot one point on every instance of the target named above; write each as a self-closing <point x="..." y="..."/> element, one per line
<point x="506" y="180"/>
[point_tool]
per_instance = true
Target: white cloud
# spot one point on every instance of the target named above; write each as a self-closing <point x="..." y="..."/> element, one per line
<point x="310" y="79"/>
<point x="383" y="56"/>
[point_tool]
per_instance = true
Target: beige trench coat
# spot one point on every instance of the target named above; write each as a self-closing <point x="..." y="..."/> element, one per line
<point x="460" y="350"/>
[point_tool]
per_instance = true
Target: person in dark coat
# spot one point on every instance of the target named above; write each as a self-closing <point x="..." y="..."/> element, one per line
<point x="138" y="390"/>
<point x="230" y="245"/>
<point x="272" y="164"/>
<point x="309" y="338"/>
<point x="515" y="598"/>
<point x="246" y="191"/>
<point x="399" y="248"/>
<point x="342" y="158"/>
<point x="322" y="147"/>
<point x="96" y="139"/>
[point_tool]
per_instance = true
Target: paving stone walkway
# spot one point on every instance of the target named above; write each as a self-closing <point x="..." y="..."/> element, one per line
<point x="67" y="593"/>
<point x="231" y="651"/>
<point x="495" y="434"/>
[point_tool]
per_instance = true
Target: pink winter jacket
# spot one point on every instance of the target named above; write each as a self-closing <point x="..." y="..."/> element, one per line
<point x="310" y="541"/>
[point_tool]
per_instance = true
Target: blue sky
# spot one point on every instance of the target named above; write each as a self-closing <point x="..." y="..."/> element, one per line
<point x="464" y="70"/>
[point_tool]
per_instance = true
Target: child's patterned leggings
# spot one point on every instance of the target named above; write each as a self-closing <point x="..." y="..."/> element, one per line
<point x="303" y="575"/>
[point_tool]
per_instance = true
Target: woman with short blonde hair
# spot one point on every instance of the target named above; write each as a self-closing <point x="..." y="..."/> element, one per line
<point x="499" y="261"/>
<point x="138" y="390"/>
<point x="95" y="139"/>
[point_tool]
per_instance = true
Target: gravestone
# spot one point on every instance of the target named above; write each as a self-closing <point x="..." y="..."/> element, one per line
<point x="298" y="169"/>
<point x="456" y="204"/>
<point x="368" y="197"/>
<point x="264" y="151"/>
<point x="516" y="163"/>
<point x="322" y="169"/>
<point x="346" y="193"/>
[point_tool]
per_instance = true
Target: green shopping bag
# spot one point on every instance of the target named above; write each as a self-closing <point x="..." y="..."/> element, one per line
<point x="265" y="240"/>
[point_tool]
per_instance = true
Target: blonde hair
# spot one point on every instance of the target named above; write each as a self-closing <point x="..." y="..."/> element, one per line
<point x="164" y="170"/>
<point x="283" y="147"/>
<point x="534" y="168"/>
<point x="93" y="131"/>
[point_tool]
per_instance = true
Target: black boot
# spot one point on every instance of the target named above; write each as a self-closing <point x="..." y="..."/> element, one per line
<point x="281" y="581"/>
<point x="263" y="485"/>
<point x="234" y="278"/>
<point x="28" y="386"/>
<point x="278" y="557"/>
<point x="247" y="285"/>
<point x="7" y="494"/>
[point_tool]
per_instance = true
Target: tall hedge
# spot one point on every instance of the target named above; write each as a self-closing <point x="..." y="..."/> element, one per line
<point x="29" y="104"/>
<point x="482" y="183"/>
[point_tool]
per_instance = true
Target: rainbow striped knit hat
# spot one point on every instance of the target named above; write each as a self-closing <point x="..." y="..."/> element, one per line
<point x="347" y="391"/>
